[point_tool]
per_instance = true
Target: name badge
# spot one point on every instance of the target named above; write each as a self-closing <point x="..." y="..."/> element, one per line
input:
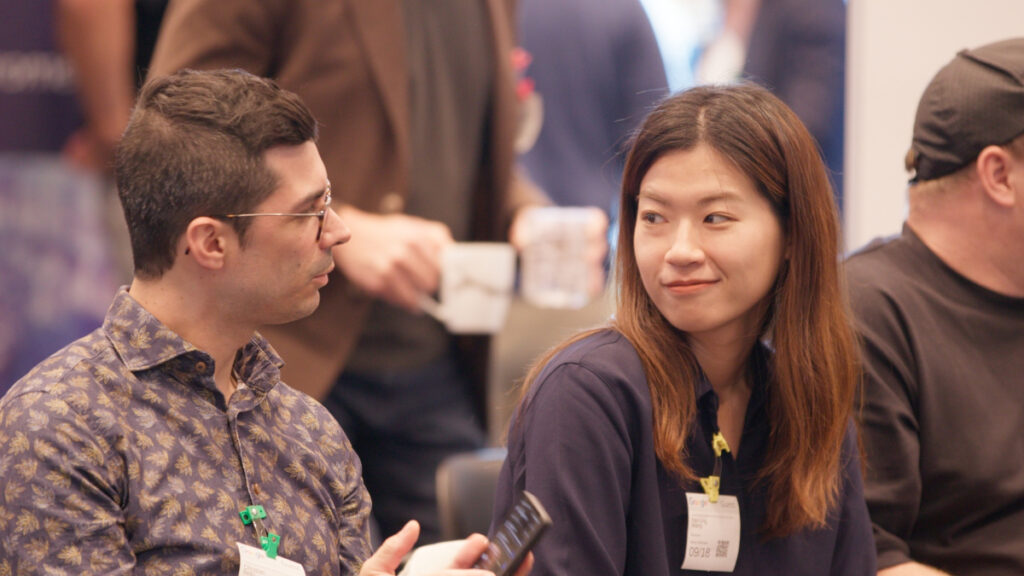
<point x="255" y="562"/>
<point x="712" y="534"/>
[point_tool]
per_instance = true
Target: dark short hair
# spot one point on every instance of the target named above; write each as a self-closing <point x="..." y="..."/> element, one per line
<point x="194" y="147"/>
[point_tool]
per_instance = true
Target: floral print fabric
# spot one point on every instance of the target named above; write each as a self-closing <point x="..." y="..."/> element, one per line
<point x="118" y="455"/>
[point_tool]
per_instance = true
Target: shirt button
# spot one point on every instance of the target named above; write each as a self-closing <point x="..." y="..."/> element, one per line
<point x="201" y="367"/>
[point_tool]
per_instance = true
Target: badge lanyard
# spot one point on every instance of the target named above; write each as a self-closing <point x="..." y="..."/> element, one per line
<point x="255" y="514"/>
<point x="268" y="540"/>
<point x="711" y="484"/>
<point x="713" y="526"/>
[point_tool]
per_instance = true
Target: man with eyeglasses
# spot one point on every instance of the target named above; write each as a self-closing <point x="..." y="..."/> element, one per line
<point x="165" y="442"/>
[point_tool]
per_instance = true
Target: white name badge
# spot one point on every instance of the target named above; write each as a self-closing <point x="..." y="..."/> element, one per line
<point x="254" y="562"/>
<point x="712" y="534"/>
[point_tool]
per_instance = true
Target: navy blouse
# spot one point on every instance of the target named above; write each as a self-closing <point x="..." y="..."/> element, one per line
<point x="583" y="444"/>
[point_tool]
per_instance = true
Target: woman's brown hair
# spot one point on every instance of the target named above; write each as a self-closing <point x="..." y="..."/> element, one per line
<point x="815" y="365"/>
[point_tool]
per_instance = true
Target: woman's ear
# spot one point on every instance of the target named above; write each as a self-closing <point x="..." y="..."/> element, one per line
<point x="205" y="242"/>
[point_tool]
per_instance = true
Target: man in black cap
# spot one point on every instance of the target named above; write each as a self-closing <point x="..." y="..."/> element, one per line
<point x="940" y="309"/>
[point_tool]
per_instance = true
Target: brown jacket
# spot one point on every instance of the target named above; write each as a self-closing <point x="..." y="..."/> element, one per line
<point x="346" y="59"/>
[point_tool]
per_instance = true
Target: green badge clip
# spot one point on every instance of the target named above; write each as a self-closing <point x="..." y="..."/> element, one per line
<point x="252" y="512"/>
<point x="269" y="543"/>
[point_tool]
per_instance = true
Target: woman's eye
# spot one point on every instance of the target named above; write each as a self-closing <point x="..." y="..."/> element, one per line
<point x="651" y="217"/>
<point x="716" y="219"/>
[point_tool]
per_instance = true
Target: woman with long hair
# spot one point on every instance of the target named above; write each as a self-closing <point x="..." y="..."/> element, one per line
<point x="709" y="427"/>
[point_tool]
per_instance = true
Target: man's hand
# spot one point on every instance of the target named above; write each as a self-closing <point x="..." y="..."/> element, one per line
<point x="85" y="150"/>
<point x="596" y="237"/>
<point x="387" y="558"/>
<point x="394" y="257"/>
<point x="911" y="569"/>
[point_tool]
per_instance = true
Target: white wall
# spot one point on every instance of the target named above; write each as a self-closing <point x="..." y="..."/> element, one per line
<point x="894" y="48"/>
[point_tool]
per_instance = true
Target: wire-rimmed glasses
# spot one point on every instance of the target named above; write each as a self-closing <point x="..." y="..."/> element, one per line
<point x="320" y="215"/>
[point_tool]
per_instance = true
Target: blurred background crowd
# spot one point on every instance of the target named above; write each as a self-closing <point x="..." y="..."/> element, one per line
<point x="69" y="70"/>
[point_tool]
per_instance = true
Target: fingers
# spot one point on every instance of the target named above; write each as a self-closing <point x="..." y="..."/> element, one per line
<point x="596" y="251"/>
<point x="526" y="566"/>
<point x="83" y="150"/>
<point x="470" y="552"/>
<point x="518" y="235"/>
<point x="411" y="265"/>
<point x="597" y="236"/>
<point x="387" y="558"/>
<point x="396" y="258"/>
<point x="415" y="272"/>
<point x="597" y="227"/>
<point x="475" y="546"/>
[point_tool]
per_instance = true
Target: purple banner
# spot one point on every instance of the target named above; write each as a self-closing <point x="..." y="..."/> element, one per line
<point x="37" y="102"/>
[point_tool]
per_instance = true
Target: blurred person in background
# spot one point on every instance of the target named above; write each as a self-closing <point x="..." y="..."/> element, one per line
<point x="57" y="268"/>
<point x="795" y="48"/>
<point x="598" y="72"/>
<point x="109" y="44"/>
<point x="681" y="28"/>
<point x="590" y="73"/>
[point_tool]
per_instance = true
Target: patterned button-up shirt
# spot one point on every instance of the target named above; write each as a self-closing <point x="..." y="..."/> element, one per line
<point x="119" y="455"/>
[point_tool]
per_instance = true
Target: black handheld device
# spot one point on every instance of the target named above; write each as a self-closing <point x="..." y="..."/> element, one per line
<point x="519" y="531"/>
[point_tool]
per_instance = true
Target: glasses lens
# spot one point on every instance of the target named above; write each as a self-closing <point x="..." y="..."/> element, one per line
<point x="323" y="215"/>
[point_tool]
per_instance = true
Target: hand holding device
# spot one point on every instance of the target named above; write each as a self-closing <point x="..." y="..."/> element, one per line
<point x="518" y="533"/>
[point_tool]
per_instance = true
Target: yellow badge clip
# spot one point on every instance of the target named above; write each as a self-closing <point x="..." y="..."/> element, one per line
<point x="712" y="483"/>
<point x="710" y="486"/>
<point x="718" y="444"/>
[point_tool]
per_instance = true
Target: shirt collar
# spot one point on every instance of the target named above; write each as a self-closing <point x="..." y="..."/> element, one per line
<point x="143" y="342"/>
<point x="761" y="355"/>
<point x="259" y="364"/>
<point x="140" y="339"/>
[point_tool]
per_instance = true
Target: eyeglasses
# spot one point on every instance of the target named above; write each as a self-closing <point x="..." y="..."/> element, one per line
<point x="321" y="215"/>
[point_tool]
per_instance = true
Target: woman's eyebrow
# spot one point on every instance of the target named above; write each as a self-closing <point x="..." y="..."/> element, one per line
<point x="726" y="195"/>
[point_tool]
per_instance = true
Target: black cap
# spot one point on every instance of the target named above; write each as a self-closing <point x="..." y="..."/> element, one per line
<point x="975" y="101"/>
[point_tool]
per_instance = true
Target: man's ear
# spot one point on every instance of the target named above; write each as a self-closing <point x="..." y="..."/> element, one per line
<point x="206" y="242"/>
<point x="999" y="174"/>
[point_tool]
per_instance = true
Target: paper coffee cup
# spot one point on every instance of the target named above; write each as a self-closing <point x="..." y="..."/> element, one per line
<point x="476" y="287"/>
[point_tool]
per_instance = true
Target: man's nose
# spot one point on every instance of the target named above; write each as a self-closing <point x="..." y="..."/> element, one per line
<point x="335" y="230"/>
